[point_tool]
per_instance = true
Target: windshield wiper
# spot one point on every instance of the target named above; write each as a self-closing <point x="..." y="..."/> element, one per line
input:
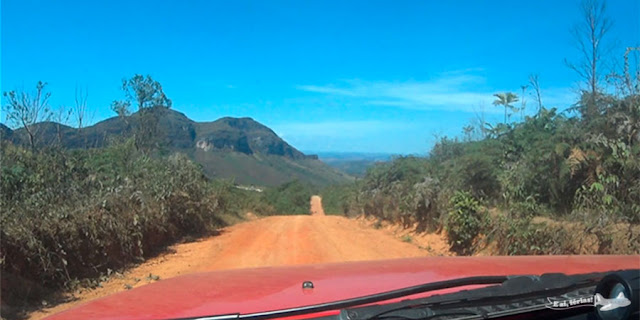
<point x="517" y="295"/>
<point x="378" y="297"/>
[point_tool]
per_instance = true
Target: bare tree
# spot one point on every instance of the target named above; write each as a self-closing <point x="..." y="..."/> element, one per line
<point x="80" y="109"/>
<point x="523" y="102"/>
<point x="626" y="83"/>
<point x="26" y="110"/>
<point x="535" y="84"/>
<point x="61" y="117"/>
<point x="468" y="132"/>
<point x="589" y="37"/>
<point x="80" y="112"/>
<point x="480" y="122"/>
<point x="624" y="116"/>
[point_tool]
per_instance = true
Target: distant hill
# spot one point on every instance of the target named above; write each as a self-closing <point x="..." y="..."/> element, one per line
<point x="245" y="136"/>
<point x="236" y="148"/>
<point x="5" y="132"/>
<point x="353" y="163"/>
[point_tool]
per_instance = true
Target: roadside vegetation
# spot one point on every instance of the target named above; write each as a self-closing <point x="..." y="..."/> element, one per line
<point x="289" y="198"/>
<point x="70" y="215"/>
<point x="73" y="217"/>
<point x="551" y="184"/>
<point x="547" y="182"/>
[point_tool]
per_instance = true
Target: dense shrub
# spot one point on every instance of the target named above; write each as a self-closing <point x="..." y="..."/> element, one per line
<point x="73" y="214"/>
<point x="238" y="201"/>
<point x="523" y="237"/>
<point x="401" y="191"/>
<point x="463" y="222"/>
<point x="525" y="209"/>
<point x="340" y="200"/>
<point x="548" y="165"/>
<point x="424" y="202"/>
<point x="290" y="198"/>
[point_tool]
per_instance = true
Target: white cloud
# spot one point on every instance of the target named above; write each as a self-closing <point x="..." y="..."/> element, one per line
<point x="453" y="91"/>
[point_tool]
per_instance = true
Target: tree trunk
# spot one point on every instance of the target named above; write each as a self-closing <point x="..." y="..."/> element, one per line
<point x="505" y="114"/>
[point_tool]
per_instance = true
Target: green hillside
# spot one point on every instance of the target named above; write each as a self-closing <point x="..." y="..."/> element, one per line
<point x="266" y="169"/>
<point x="241" y="149"/>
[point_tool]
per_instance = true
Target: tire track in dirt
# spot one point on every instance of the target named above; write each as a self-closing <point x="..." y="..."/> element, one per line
<point x="269" y="241"/>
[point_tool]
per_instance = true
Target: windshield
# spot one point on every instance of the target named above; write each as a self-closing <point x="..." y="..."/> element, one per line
<point x="145" y="141"/>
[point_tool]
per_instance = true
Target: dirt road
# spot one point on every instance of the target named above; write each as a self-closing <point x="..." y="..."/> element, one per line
<point x="270" y="241"/>
<point x="316" y="206"/>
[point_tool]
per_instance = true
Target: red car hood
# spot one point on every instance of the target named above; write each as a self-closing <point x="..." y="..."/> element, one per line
<point x="264" y="289"/>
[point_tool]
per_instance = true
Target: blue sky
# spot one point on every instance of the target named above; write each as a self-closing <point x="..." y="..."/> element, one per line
<point x="366" y="76"/>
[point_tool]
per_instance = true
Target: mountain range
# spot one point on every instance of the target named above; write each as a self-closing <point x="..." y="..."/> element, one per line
<point x="241" y="149"/>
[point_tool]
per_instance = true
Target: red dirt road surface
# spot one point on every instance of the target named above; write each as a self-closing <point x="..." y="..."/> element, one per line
<point x="270" y="241"/>
<point x="316" y="206"/>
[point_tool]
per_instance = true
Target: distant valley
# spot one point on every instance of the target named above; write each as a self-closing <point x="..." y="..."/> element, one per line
<point x="352" y="163"/>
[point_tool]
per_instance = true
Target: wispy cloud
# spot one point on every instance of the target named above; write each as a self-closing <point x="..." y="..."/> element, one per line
<point x="335" y="129"/>
<point x="330" y="90"/>
<point x="556" y="97"/>
<point x="453" y="91"/>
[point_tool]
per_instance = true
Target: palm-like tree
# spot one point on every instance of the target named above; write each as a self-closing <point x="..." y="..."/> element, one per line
<point x="506" y="99"/>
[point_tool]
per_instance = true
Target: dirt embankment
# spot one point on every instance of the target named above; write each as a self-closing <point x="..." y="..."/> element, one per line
<point x="269" y="241"/>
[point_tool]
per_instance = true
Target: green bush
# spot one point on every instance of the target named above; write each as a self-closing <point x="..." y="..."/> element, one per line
<point x="290" y="198"/>
<point x="339" y="200"/>
<point x="463" y="222"/>
<point x="68" y="215"/>
<point x="526" y="209"/>
<point x="238" y="202"/>
<point x="551" y="164"/>
<point x="522" y="237"/>
<point x="425" y="203"/>
<point x="400" y="191"/>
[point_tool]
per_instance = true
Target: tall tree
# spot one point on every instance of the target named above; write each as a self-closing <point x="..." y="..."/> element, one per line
<point x="535" y="84"/>
<point x="145" y="92"/>
<point x="149" y="98"/>
<point x="506" y="99"/>
<point x="523" y="102"/>
<point x="26" y="110"/>
<point x="589" y="36"/>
